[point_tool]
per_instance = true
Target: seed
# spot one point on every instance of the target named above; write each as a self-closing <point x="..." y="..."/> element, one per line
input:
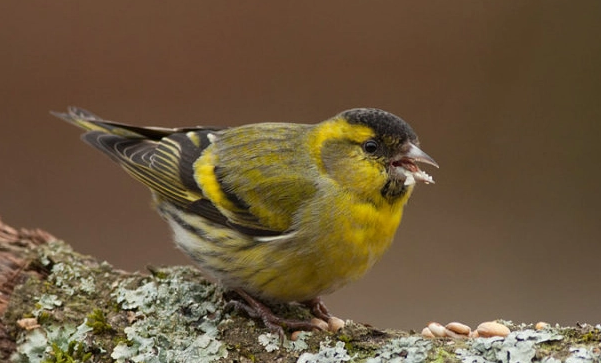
<point x="295" y="334"/>
<point x="28" y="323"/>
<point x="457" y="330"/>
<point x="541" y="325"/>
<point x="335" y="324"/>
<point x="492" y="329"/>
<point x="320" y="323"/>
<point x="436" y="329"/>
<point x="426" y="333"/>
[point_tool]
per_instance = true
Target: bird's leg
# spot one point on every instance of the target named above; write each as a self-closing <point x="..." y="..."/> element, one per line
<point x="257" y="310"/>
<point x="318" y="308"/>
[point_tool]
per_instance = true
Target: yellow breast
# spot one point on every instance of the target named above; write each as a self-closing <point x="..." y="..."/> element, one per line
<point x="339" y="248"/>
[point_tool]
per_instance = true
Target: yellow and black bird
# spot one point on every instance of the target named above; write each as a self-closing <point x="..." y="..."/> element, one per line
<point x="278" y="212"/>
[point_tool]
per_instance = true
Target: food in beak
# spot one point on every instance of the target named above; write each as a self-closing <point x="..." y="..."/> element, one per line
<point x="406" y="165"/>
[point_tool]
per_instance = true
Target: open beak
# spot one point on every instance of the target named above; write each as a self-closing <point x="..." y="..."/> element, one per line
<point x="405" y="166"/>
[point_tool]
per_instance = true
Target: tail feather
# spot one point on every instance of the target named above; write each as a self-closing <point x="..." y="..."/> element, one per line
<point x="91" y="122"/>
<point x="160" y="158"/>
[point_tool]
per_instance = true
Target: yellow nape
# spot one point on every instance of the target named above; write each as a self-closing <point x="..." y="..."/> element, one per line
<point x="332" y="130"/>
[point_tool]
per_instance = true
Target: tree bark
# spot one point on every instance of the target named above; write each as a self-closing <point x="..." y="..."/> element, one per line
<point x="57" y="305"/>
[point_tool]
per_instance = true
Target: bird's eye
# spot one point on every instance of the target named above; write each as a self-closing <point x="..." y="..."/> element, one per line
<point x="370" y="146"/>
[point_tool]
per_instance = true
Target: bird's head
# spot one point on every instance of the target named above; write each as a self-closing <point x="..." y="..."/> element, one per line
<point x="369" y="150"/>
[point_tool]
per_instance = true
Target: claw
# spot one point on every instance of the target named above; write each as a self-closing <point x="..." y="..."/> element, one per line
<point x="318" y="308"/>
<point x="257" y="310"/>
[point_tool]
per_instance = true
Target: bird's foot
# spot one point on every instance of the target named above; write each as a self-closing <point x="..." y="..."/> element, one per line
<point x="318" y="308"/>
<point x="257" y="310"/>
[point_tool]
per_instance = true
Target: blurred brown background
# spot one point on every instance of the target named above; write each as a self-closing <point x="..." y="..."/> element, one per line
<point x="504" y="95"/>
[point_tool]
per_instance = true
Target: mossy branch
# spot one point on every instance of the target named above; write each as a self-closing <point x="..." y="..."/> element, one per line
<point x="59" y="306"/>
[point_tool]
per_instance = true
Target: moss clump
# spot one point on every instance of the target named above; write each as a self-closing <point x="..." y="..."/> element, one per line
<point x="97" y="321"/>
<point x="443" y="356"/>
<point x="346" y="339"/>
<point x="591" y="336"/>
<point x="75" y="353"/>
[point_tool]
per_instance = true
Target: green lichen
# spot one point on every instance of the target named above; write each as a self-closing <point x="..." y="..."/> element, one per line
<point x="31" y="347"/>
<point x="177" y="322"/>
<point x="518" y="346"/>
<point x="68" y="277"/>
<point x="57" y="344"/>
<point x="583" y="355"/>
<point x="89" y="311"/>
<point x="300" y="344"/>
<point x="413" y="349"/>
<point x="47" y="302"/>
<point x="270" y="341"/>
<point x="327" y="354"/>
<point x="169" y="316"/>
<point x="64" y="311"/>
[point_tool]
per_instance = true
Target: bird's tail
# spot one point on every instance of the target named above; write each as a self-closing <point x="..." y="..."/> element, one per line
<point x="91" y="122"/>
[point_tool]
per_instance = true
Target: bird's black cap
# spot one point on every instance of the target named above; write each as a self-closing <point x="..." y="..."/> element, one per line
<point x="385" y="124"/>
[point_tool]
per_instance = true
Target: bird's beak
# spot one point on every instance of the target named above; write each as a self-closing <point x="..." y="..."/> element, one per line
<point x="405" y="166"/>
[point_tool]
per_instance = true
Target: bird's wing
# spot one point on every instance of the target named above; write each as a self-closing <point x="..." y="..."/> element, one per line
<point x="264" y="176"/>
<point x="164" y="160"/>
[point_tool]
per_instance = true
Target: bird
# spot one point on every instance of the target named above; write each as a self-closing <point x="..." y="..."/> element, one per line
<point x="277" y="212"/>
